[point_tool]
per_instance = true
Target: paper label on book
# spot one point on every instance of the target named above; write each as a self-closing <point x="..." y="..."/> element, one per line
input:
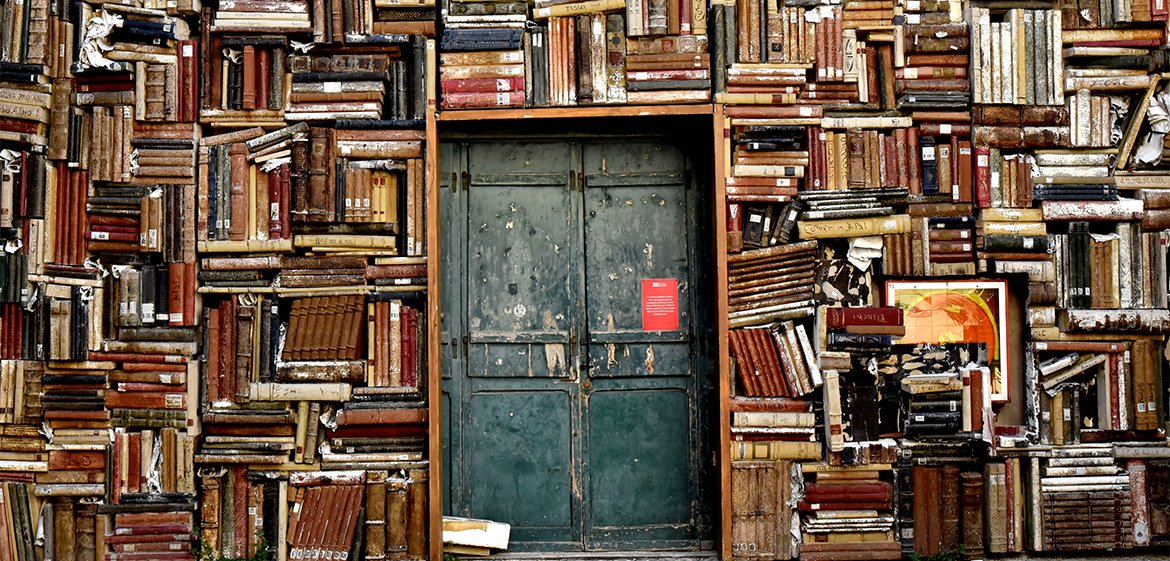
<point x="807" y="112"/>
<point x="913" y="19"/>
<point x="910" y="73"/>
<point x="99" y="235"/>
<point x="598" y="29"/>
<point x="147" y="311"/>
<point x="188" y="50"/>
<point x="152" y="238"/>
<point x="502" y="98"/>
<point x="394" y="311"/>
<point x="1151" y="406"/>
<point x="890" y="224"/>
<point x="1141" y="407"/>
<point x="755" y="218"/>
<point x="928" y="153"/>
<point x="177" y="317"/>
<point x="920" y="418"/>
<point x="1068" y="414"/>
<point x="945" y="128"/>
<point x="174" y="400"/>
<point x="331" y="87"/>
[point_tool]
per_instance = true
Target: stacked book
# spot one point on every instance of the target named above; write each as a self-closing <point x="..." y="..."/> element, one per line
<point x="485" y="63"/>
<point x="1011" y="241"/>
<point x="483" y="79"/>
<point x="771" y="284"/>
<point x="862" y="329"/>
<point x="1086" y="500"/>
<point x="241" y="16"/>
<point x="934" y="46"/>
<point x="946" y="239"/>
<point x="773" y="425"/>
<point x="349" y="86"/>
<point x="767" y="165"/>
<point x="379" y="417"/>
<point x="848" y="514"/>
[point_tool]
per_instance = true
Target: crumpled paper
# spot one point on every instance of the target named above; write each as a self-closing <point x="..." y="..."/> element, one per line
<point x="1149" y="149"/>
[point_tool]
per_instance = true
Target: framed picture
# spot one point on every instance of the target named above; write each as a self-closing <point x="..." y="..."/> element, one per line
<point x="940" y="312"/>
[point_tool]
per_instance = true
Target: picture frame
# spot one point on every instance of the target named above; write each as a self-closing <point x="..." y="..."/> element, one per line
<point x="941" y="312"/>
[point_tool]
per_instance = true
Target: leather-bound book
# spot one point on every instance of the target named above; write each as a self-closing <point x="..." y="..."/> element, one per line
<point x="375" y="519"/>
<point x="417" y="532"/>
<point x="245" y="324"/>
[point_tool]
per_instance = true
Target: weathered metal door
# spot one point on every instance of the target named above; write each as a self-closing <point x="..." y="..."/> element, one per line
<point x="568" y="417"/>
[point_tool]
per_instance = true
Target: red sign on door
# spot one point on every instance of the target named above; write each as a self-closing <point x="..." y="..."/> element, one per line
<point x="659" y="304"/>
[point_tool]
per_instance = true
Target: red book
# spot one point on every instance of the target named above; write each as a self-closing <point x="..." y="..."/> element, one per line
<point x="150" y="538"/>
<point x="133" y="462"/>
<point x="914" y="160"/>
<point x="118" y="229"/>
<point x="381" y="416"/>
<point x="840" y="317"/>
<point x="248" y="98"/>
<point x="1139" y="43"/>
<point x="189" y="294"/>
<point x="111" y="236"/>
<point x="178" y="547"/>
<point x="138" y="357"/>
<point x="515" y="83"/>
<point x="982" y="177"/>
<point x="151" y="556"/>
<point x="876" y="505"/>
<point x="19" y="125"/>
<point x="285" y="194"/>
<point x="262" y="78"/>
<point x="239" y="192"/>
<point x="1158" y="10"/>
<point x="152" y="367"/>
<point x="119" y="467"/>
<point x="498" y="99"/>
<point x="149" y="529"/>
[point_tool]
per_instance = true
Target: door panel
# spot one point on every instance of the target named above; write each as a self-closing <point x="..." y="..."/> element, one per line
<point x="638" y="454"/>
<point x="521" y="462"/>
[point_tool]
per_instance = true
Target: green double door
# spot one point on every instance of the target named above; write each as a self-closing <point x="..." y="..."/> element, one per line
<point x="569" y="343"/>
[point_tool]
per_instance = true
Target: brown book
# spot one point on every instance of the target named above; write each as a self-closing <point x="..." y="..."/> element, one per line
<point x="396" y="517"/>
<point x="375" y="515"/>
<point x="248" y="96"/>
<point x="237" y="229"/>
<point x="243" y="375"/>
<point x="760" y="512"/>
<point x="744" y="369"/>
<point x="76" y="460"/>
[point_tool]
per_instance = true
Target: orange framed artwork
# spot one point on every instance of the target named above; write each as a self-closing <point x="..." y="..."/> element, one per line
<point x="942" y="312"/>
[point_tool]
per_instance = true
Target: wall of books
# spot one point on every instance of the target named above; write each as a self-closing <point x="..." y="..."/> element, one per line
<point x="943" y="232"/>
<point x="215" y="281"/>
<point x="945" y="276"/>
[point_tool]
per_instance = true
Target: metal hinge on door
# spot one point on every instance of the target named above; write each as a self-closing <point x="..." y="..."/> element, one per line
<point x="466" y="182"/>
<point x="464" y="345"/>
<point x="580" y="182"/>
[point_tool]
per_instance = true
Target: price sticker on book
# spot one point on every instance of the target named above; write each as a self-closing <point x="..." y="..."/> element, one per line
<point x="659" y="304"/>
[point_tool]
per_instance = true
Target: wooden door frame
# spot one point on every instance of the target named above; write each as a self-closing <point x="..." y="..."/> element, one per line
<point x="702" y="155"/>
